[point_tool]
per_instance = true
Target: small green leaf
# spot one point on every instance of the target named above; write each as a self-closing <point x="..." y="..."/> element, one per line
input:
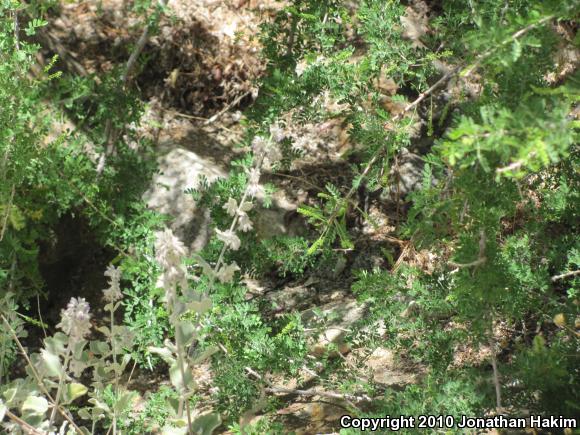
<point x="75" y="390"/>
<point x="105" y="331"/>
<point x="319" y="242"/>
<point x="100" y="405"/>
<point x="17" y="218"/>
<point x="85" y="414"/>
<point x="516" y="50"/>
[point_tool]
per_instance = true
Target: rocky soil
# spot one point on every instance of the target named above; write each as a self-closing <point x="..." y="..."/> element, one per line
<point x="199" y="74"/>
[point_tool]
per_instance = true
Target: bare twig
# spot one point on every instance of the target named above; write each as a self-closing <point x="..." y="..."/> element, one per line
<point x="307" y="393"/>
<point x="314" y="392"/>
<point x="135" y="55"/>
<point x="292" y="177"/>
<point x="138" y="49"/>
<point x="514" y="165"/>
<point x="126" y="385"/>
<point x="12" y="274"/>
<point x="23" y="425"/>
<point x="16" y="31"/>
<point x="228" y="107"/>
<point x="407" y="248"/>
<point x="39" y="313"/>
<point x="291" y="36"/>
<point x="496" y="381"/>
<point x="481" y="259"/>
<point x="565" y="275"/>
<point x="509" y="40"/>
<point x="477" y="262"/>
<point x="185" y="115"/>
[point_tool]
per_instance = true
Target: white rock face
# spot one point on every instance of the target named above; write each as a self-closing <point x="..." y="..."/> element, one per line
<point x="386" y="371"/>
<point x="179" y="170"/>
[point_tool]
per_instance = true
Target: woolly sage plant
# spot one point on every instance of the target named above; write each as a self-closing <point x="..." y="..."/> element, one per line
<point x="60" y="364"/>
<point x="181" y="299"/>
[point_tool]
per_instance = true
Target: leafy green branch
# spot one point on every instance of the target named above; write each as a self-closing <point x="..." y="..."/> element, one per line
<point x="464" y="70"/>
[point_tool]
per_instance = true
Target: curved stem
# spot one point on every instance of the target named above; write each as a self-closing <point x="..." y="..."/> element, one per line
<point x="183" y="398"/>
<point x="115" y="367"/>
<point x="60" y="384"/>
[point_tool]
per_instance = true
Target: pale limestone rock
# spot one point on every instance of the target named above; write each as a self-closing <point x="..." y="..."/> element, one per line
<point x="386" y="371"/>
<point x="180" y="170"/>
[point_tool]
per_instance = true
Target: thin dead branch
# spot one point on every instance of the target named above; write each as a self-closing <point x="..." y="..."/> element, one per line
<point x="308" y="393"/>
<point x="227" y="108"/>
<point x="496" y="381"/>
<point x="16" y="31"/>
<point x="315" y="392"/>
<point x="565" y="275"/>
<point x="481" y="257"/>
<point x="514" y="165"/>
<point x="28" y="429"/>
<point x="477" y="262"/>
